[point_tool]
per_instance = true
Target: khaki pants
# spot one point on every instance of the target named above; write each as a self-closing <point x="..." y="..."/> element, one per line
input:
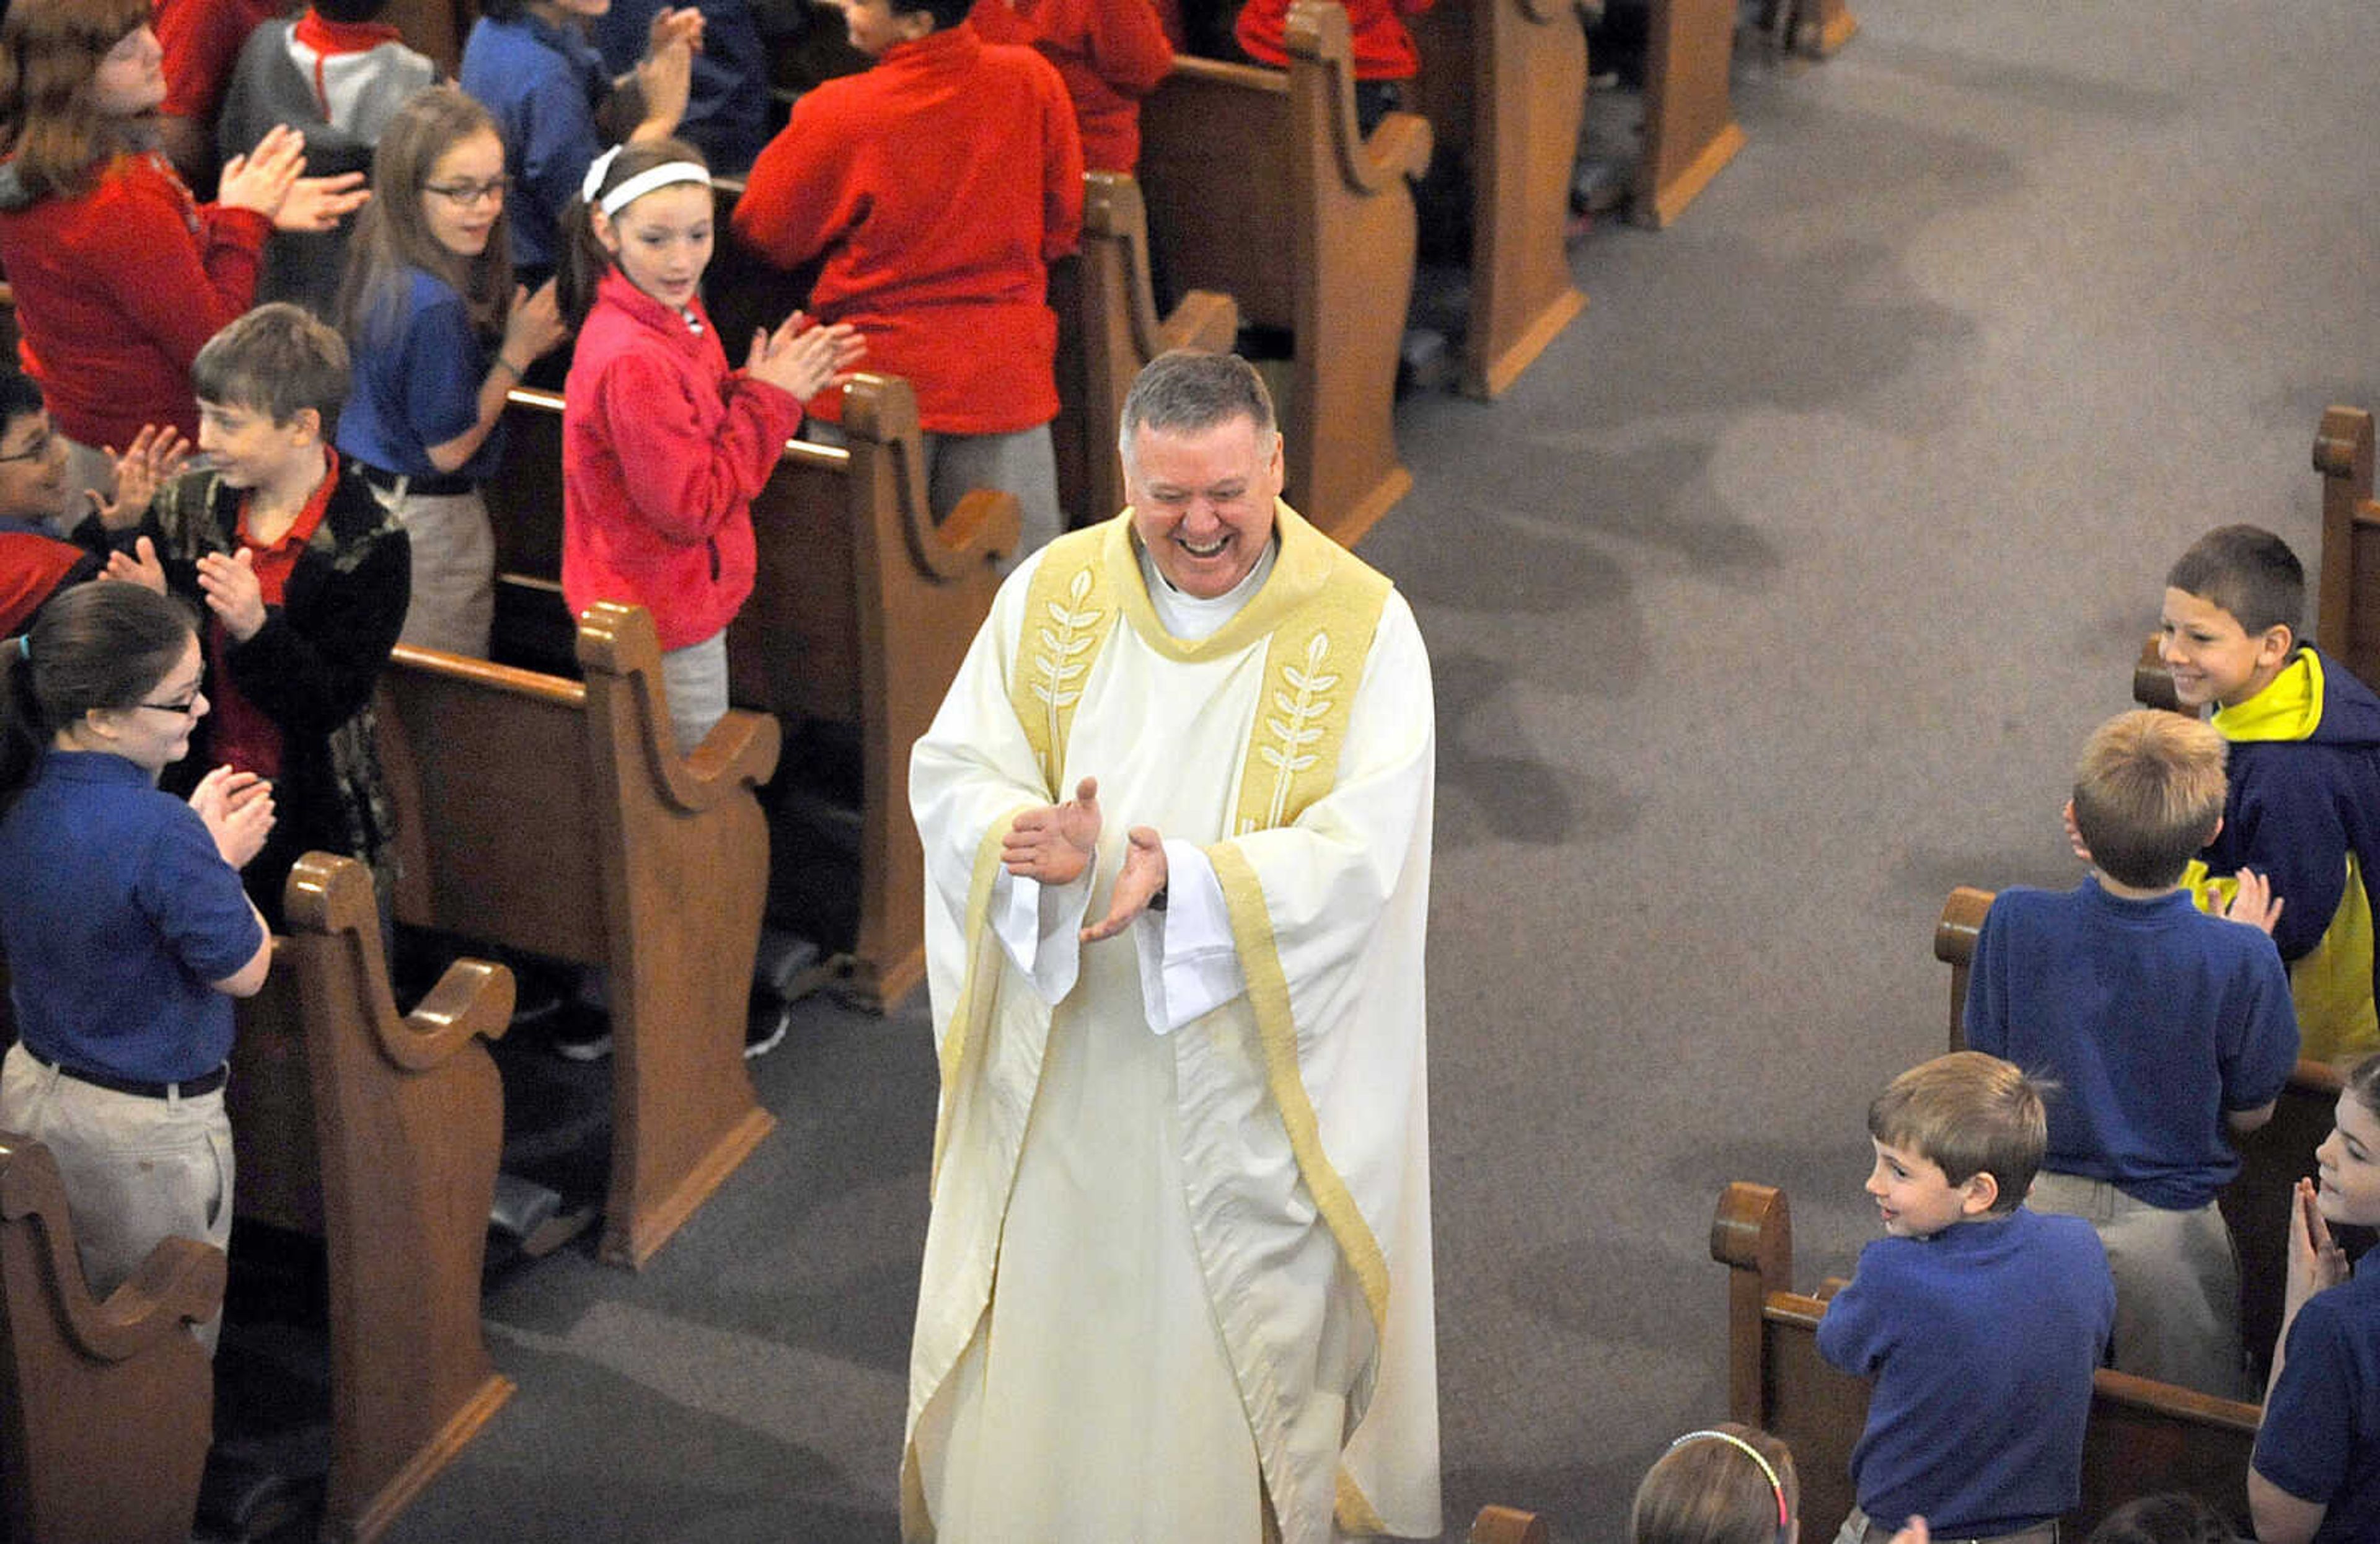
<point x="2177" y="1283"/>
<point x="137" y="1171"/>
<point x="454" y="604"/>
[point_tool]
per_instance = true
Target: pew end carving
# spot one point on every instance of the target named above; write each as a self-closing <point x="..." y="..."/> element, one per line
<point x="106" y="1406"/>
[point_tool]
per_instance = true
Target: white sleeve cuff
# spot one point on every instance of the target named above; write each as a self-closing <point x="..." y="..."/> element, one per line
<point x="1189" y="962"/>
<point x="1040" y="926"/>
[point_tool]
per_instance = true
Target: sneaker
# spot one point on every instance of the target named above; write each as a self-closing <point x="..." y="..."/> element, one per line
<point x="581" y="1036"/>
<point x="765" y="1029"/>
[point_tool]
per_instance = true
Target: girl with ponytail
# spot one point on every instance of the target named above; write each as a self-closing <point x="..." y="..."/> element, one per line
<point x="124" y="922"/>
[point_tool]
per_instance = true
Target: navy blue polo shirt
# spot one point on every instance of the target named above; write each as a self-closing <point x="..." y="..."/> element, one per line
<point x="115" y="913"/>
<point x="417" y="370"/>
<point x="2320" y="1440"/>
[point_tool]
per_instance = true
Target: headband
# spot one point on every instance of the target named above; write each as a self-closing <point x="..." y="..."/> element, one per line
<point x="1731" y="1440"/>
<point x="637" y="187"/>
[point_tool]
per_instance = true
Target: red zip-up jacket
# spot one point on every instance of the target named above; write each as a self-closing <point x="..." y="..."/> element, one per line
<point x="1109" y="52"/>
<point x="663" y="449"/>
<point x="938" y="184"/>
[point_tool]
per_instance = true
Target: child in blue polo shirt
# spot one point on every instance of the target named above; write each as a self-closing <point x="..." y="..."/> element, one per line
<point x="2316" y="1472"/>
<point x="1980" y="1321"/>
<point x="127" y="931"/>
<point x="2169" y="1032"/>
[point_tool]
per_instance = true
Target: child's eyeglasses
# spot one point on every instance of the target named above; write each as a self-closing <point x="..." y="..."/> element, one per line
<point x="463" y="195"/>
<point x="184" y="706"/>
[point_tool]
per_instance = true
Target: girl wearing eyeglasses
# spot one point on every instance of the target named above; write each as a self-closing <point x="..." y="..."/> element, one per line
<point x="438" y="335"/>
<point x="126" y="928"/>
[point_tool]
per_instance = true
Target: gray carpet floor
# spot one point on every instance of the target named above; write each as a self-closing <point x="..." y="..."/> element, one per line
<point x="1774" y="602"/>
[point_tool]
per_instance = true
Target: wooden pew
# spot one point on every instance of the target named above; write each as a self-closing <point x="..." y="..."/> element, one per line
<point x="407" y="1120"/>
<point x="556" y="817"/>
<point x="106" y="1408"/>
<point x="861" y="613"/>
<point x="2272" y="1158"/>
<point x="2144" y="1437"/>
<point x="1690" y="129"/>
<point x="2347" y="583"/>
<point x="1258" y="186"/>
<point x="1107" y="328"/>
<point x="1503" y="84"/>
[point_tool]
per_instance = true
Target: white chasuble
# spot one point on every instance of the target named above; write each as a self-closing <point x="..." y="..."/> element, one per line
<point x="1177" y="1286"/>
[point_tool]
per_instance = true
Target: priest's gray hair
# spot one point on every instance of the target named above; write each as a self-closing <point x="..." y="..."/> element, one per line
<point x="1185" y="390"/>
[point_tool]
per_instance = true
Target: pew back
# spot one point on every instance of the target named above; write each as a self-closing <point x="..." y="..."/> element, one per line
<point x="2349" y="584"/>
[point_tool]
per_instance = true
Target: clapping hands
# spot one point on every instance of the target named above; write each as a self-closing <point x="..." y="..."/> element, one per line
<point x="268" y="180"/>
<point x="802" y="357"/>
<point x="238" y="810"/>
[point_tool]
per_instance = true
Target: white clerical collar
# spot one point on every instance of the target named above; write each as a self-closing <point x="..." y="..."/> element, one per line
<point x="1186" y="616"/>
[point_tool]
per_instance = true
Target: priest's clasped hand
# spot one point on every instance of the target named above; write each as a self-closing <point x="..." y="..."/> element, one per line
<point x="1055" y="843"/>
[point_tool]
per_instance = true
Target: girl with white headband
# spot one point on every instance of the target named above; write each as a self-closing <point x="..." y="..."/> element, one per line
<point x="664" y="446"/>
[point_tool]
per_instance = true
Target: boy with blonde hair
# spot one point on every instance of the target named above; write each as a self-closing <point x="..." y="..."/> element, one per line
<point x="1979" y="1321"/>
<point x="2169" y="1031"/>
<point x="2303" y="809"/>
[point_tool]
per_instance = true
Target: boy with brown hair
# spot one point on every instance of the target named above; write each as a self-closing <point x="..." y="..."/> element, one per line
<point x="1979" y="1321"/>
<point x="2303" y="809"/>
<point x="2169" y="1032"/>
<point x="302" y="580"/>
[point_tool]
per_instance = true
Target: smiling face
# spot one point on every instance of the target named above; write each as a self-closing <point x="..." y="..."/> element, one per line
<point x="149" y="737"/>
<point x="662" y="241"/>
<point x="1202" y="500"/>
<point x="2348" y="1164"/>
<point x="251" y="451"/>
<point x="32" y="469"/>
<point x="464" y="193"/>
<point x="2213" y="658"/>
<point x="130" y="78"/>
<point x="1915" y="1200"/>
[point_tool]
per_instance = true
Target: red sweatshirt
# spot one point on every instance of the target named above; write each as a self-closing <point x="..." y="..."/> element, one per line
<point x="663" y="449"/>
<point x="118" y="289"/>
<point x="1383" y="49"/>
<point x="1109" y="52"/>
<point x="938" y="184"/>
<point x="201" y="41"/>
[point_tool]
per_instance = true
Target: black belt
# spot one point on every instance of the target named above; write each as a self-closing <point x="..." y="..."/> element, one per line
<point x="441" y="485"/>
<point x="206" y="1083"/>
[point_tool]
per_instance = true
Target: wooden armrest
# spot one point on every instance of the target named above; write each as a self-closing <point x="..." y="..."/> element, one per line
<point x="1503" y="1524"/>
<point x="2151" y="682"/>
<point x="1752" y="1230"/>
<point x="180" y="1282"/>
<point x="618" y="641"/>
<point x="985" y="524"/>
<point x="2147" y="1393"/>
<point x="1317" y="32"/>
<point x="881" y="410"/>
<point x="1203" y="319"/>
<point x="1828" y="1288"/>
<point x="2345" y="433"/>
<point x="332" y="896"/>
<point x="1963" y="919"/>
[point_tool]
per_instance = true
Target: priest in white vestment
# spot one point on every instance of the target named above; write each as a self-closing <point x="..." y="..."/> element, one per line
<point x="1176" y="816"/>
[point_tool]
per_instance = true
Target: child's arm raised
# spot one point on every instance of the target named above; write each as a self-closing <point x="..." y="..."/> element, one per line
<point x="532" y="329"/>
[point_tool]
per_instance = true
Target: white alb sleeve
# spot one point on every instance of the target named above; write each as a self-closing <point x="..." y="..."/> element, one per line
<point x="1040" y="926"/>
<point x="1189" y="962"/>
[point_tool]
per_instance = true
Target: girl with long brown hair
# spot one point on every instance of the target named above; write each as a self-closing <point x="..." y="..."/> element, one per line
<point x="120" y="275"/>
<point x="439" y="335"/>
